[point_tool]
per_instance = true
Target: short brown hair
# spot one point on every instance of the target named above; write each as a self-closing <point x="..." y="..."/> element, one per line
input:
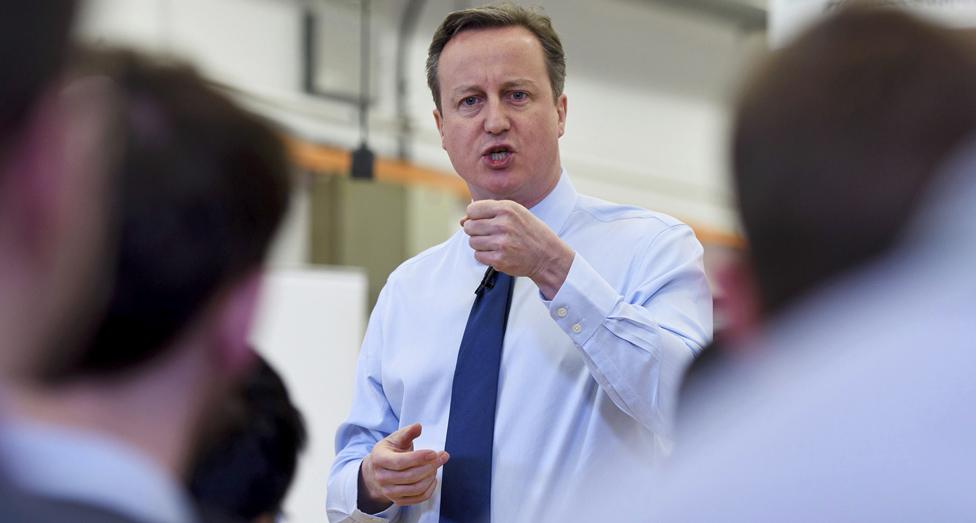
<point x="504" y="15"/>
<point x="199" y="192"/>
<point x="837" y="137"/>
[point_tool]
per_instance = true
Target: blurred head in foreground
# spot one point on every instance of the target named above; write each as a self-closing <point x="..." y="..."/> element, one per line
<point x="837" y="137"/>
<point x="856" y="404"/>
<point x="198" y="190"/>
<point x="246" y="469"/>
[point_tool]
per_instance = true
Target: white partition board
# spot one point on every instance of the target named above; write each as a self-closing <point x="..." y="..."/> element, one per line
<point x="310" y="326"/>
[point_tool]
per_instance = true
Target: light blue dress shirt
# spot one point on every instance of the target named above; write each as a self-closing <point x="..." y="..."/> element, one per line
<point x="88" y="468"/>
<point x="587" y="381"/>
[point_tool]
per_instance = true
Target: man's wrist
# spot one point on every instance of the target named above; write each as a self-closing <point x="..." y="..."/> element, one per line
<point x="552" y="274"/>
<point x="366" y="500"/>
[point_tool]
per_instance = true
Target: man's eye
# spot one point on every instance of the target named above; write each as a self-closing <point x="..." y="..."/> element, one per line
<point x="520" y="96"/>
<point x="469" y="101"/>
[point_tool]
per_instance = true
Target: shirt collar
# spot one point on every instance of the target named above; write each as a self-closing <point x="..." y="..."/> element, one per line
<point x="556" y="207"/>
<point x="81" y="466"/>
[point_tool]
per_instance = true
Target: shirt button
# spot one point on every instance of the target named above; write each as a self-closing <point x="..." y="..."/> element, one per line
<point x="577" y="328"/>
<point x="561" y="312"/>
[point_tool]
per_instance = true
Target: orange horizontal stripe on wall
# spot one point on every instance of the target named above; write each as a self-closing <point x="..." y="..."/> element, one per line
<point x="326" y="159"/>
<point x="333" y="160"/>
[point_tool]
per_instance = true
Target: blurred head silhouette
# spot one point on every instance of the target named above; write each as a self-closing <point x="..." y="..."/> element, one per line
<point x="837" y="137"/>
<point x="199" y="188"/>
<point x="246" y="468"/>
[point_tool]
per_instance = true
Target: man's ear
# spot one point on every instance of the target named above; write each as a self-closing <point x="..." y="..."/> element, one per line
<point x="54" y="172"/>
<point x="234" y="320"/>
<point x="33" y="180"/>
<point x="739" y="304"/>
<point x="561" y="112"/>
<point x="439" y="121"/>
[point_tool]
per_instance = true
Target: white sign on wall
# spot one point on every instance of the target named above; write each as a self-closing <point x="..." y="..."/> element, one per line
<point x="789" y="17"/>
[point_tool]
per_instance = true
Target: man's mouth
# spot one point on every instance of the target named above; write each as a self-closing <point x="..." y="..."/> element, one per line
<point x="498" y="157"/>
<point x="497" y="151"/>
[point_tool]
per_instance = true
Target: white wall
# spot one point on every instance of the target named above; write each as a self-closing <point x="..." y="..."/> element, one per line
<point x="647" y="85"/>
<point x="310" y="325"/>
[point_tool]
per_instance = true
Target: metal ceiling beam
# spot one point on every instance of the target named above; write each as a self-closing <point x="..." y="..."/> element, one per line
<point x="748" y="14"/>
<point x="409" y="18"/>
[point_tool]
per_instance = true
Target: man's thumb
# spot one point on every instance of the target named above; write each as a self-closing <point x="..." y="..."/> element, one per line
<point x="403" y="438"/>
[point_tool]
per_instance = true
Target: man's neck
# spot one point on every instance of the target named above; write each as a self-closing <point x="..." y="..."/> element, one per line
<point x="152" y="413"/>
<point x="530" y="203"/>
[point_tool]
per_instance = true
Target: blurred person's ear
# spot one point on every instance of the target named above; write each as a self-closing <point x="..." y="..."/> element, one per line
<point x="52" y="219"/>
<point x="234" y="320"/>
<point x="740" y="302"/>
<point x="33" y="185"/>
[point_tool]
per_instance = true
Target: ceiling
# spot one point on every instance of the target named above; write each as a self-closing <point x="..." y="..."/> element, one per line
<point x="749" y="14"/>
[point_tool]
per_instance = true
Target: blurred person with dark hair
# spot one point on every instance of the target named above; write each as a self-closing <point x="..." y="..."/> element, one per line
<point x="53" y="153"/>
<point x="246" y="468"/>
<point x="52" y="159"/>
<point x="834" y="142"/>
<point x="850" y="401"/>
<point x="526" y="359"/>
<point x="199" y="190"/>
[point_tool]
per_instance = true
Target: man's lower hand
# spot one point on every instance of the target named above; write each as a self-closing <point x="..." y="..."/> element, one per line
<point x="395" y="473"/>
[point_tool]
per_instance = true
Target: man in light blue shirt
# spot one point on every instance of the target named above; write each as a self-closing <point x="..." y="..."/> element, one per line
<point x="609" y="304"/>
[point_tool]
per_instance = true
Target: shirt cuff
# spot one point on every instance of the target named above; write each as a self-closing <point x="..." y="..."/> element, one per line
<point x="583" y="302"/>
<point x="387" y="515"/>
<point x="350" y="491"/>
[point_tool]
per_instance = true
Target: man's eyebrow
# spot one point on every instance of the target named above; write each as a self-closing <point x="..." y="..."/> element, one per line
<point x="509" y="84"/>
<point x="457" y="91"/>
<point x="518" y="82"/>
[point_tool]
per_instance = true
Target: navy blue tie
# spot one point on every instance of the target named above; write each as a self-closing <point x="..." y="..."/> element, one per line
<point x="466" y="479"/>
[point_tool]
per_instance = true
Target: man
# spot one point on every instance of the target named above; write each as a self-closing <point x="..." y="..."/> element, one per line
<point x="50" y="188"/>
<point x="599" y="307"/>
<point x="830" y="159"/>
<point x="853" y="403"/>
<point x="51" y="192"/>
<point x="245" y="469"/>
<point x="200" y="189"/>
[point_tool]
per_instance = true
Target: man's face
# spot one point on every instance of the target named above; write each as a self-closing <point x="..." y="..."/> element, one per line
<point x="498" y="121"/>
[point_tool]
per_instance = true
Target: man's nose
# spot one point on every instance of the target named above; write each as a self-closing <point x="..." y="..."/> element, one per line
<point x="496" y="118"/>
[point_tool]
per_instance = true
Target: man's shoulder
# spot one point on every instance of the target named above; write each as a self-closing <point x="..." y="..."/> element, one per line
<point x="599" y="212"/>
